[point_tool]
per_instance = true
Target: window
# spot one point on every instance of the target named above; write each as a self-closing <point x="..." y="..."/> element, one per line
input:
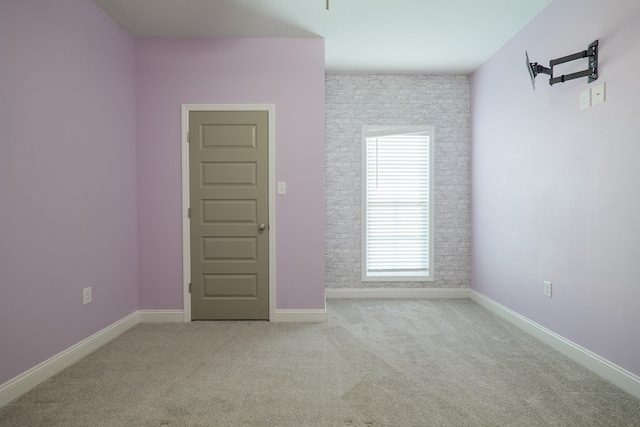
<point x="397" y="203"/>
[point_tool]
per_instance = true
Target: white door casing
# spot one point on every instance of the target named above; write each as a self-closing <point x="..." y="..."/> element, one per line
<point x="186" y="232"/>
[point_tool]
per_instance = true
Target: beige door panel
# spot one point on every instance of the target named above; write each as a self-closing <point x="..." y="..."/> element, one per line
<point x="228" y="162"/>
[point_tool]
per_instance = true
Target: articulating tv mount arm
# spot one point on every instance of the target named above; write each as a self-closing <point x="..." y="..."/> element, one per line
<point x="591" y="72"/>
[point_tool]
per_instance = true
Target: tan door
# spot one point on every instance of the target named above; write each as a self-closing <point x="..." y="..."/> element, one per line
<point x="229" y="180"/>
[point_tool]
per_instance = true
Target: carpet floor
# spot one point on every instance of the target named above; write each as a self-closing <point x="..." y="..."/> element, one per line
<point x="373" y="363"/>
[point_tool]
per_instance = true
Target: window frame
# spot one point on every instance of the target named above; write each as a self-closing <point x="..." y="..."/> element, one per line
<point x="372" y="131"/>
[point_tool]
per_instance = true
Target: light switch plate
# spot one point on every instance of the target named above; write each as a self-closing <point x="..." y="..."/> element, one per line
<point x="282" y="187"/>
<point x="598" y="94"/>
<point x="585" y="99"/>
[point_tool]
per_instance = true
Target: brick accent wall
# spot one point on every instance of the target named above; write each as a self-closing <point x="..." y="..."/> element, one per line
<point x="356" y="100"/>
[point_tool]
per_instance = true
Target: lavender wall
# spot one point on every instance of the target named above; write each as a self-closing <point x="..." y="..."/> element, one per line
<point x="286" y="72"/>
<point x="67" y="177"/>
<point x="555" y="189"/>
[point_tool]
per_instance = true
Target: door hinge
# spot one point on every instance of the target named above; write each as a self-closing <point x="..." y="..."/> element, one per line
<point x="189" y="287"/>
<point x="189" y="212"/>
<point x="188" y="140"/>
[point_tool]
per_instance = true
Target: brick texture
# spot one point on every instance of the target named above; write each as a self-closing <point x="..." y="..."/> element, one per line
<point x="439" y="100"/>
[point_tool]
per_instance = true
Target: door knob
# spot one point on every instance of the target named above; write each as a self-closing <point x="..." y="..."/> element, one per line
<point x="262" y="227"/>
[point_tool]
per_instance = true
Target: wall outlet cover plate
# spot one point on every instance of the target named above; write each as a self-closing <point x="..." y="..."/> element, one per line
<point x="86" y="295"/>
<point x="598" y="94"/>
<point x="585" y="99"/>
<point x="546" y="289"/>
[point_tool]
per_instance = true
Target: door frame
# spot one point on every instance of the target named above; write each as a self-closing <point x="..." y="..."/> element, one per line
<point x="186" y="226"/>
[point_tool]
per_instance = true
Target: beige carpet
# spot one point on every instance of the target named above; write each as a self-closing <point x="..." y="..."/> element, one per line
<point x="374" y="363"/>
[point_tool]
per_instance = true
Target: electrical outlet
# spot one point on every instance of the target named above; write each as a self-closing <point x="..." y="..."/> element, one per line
<point x="546" y="289"/>
<point x="598" y="94"/>
<point x="86" y="295"/>
<point x="585" y="99"/>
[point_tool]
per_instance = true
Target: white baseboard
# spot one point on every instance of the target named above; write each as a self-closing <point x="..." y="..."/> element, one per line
<point x="24" y="382"/>
<point x="398" y="293"/>
<point x="310" y="315"/>
<point x="160" y="316"/>
<point x="622" y="378"/>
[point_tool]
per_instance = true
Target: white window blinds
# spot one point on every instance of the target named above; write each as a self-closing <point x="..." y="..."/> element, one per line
<point x="397" y="203"/>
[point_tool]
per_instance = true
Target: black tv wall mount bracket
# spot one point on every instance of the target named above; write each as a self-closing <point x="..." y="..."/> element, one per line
<point x="592" y="72"/>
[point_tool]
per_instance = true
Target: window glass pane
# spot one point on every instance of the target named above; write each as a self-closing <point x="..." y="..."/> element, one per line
<point x="397" y="204"/>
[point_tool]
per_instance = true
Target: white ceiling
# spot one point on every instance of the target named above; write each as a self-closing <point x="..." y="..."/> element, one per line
<point x="361" y="36"/>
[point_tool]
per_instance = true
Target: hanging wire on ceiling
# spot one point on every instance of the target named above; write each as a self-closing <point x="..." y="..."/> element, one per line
<point x="327" y="4"/>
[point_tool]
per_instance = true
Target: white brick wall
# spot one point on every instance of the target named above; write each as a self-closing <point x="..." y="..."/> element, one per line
<point x="439" y="100"/>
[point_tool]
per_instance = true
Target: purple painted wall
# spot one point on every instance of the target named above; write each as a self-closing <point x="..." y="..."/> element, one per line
<point x="286" y="72"/>
<point x="67" y="177"/>
<point x="555" y="189"/>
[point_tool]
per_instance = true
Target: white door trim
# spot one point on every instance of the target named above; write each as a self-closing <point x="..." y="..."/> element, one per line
<point x="186" y="230"/>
